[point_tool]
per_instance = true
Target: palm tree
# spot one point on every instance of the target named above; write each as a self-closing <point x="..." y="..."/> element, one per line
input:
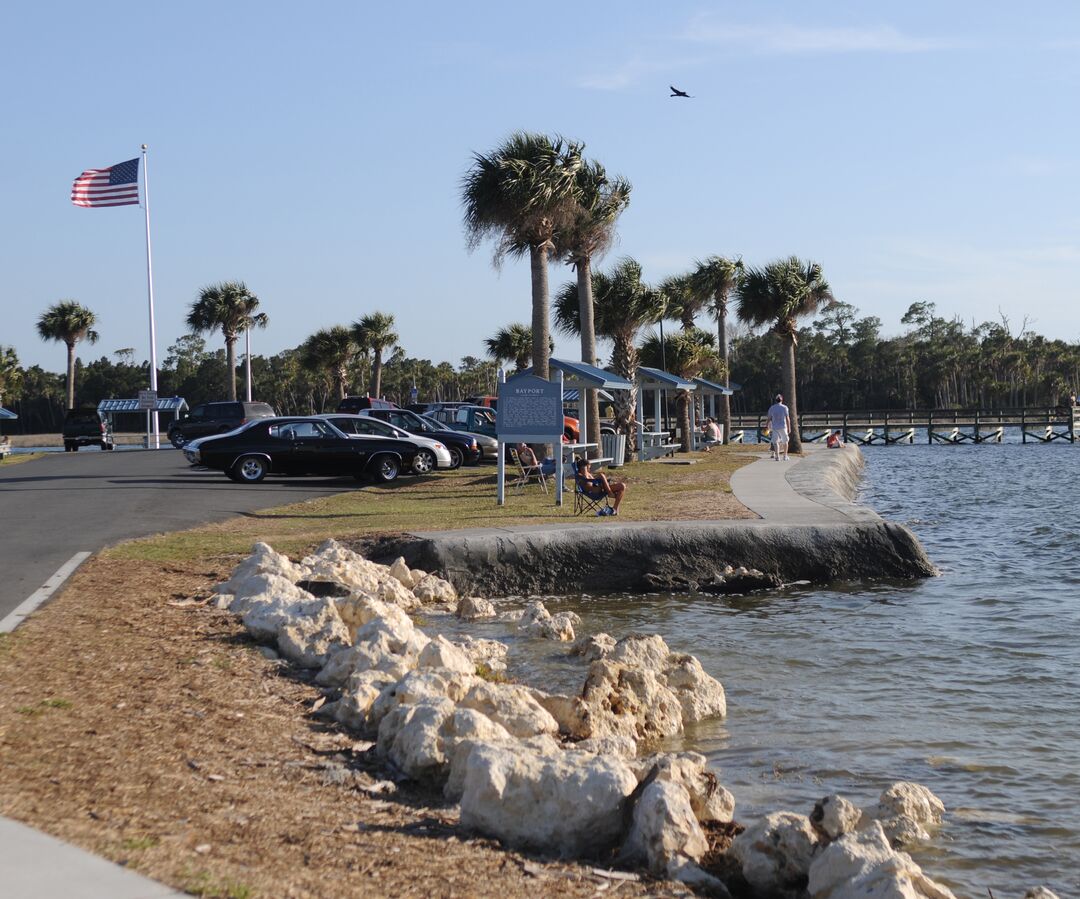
<point x="682" y="300"/>
<point x="714" y="279"/>
<point x="778" y="295"/>
<point x="68" y="322"/>
<point x="332" y="351"/>
<point x="375" y="332"/>
<point x="512" y="343"/>
<point x="601" y="200"/>
<point x="622" y="305"/>
<point x="11" y="375"/>
<point x="689" y="353"/>
<point x="228" y="307"/>
<point x="522" y="195"/>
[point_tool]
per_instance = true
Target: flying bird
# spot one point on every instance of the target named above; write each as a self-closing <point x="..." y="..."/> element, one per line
<point x="675" y="92"/>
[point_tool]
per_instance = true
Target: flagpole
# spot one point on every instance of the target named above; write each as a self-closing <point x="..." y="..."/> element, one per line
<point x="150" y="295"/>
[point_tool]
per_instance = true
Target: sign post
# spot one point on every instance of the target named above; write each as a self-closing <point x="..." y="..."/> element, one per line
<point x="148" y="401"/>
<point x="529" y="411"/>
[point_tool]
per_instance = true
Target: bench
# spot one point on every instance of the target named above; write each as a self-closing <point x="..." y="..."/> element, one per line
<point x="5" y="448"/>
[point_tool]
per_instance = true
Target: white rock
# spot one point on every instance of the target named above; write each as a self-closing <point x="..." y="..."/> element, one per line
<point x="334" y="562"/>
<point x="397" y="635"/>
<point x="593" y="646"/>
<point x="431" y="683"/>
<point x="629" y="701"/>
<point x="570" y="804"/>
<point x="569" y="712"/>
<point x="905" y="811"/>
<point x="1039" y="893"/>
<point x="512" y="706"/>
<point x="709" y="800"/>
<point x="834" y="816"/>
<point x="265" y="616"/>
<point x="537" y="621"/>
<point x="637" y="651"/>
<point x="455" y="782"/>
<point x="700" y="695"/>
<point x="862" y="863"/>
<point x="263" y="560"/>
<point x="310" y="642"/>
<point x="664" y="828"/>
<point x="491" y="653"/>
<point x="393" y="591"/>
<point x="265" y="588"/>
<point x="409" y="737"/>
<point x="776" y="852"/>
<point x="473" y="608"/>
<point x="360" y="692"/>
<point x="364" y="657"/>
<point x="441" y="653"/>
<point x="400" y="572"/>
<point x="435" y="589"/>
<point x="686" y="871"/>
<point x="622" y="747"/>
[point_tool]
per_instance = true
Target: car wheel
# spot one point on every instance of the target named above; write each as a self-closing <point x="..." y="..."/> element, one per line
<point x="423" y="462"/>
<point x="74" y="447"/>
<point x="177" y="439"/>
<point x="456" y="457"/>
<point x="250" y="469"/>
<point x="385" y="469"/>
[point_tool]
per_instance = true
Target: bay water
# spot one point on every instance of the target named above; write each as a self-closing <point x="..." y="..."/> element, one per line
<point x="968" y="683"/>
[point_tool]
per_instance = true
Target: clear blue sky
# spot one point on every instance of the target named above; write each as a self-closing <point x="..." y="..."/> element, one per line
<point x="918" y="151"/>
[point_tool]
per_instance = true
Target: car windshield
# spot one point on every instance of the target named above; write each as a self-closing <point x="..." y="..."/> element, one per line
<point x="435" y="423"/>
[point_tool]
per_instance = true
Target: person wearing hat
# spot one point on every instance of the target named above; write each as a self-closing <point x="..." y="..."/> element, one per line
<point x="780" y="425"/>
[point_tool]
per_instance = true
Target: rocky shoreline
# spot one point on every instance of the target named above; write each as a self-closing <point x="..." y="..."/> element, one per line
<point x="563" y="775"/>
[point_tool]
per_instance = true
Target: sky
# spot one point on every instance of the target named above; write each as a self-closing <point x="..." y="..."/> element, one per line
<point x="922" y="151"/>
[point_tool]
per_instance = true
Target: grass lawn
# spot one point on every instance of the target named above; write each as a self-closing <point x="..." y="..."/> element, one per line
<point x="20" y="457"/>
<point x="656" y="491"/>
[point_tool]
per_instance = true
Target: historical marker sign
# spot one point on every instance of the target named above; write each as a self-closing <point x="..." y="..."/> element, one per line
<point x="530" y="409"/>
<point x="147" y="399"/>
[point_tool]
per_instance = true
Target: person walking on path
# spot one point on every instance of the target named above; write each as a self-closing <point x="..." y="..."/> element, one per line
<point x="780" y="424"/>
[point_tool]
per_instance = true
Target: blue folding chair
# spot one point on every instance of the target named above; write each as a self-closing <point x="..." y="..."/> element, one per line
<point x="589" y="495"/>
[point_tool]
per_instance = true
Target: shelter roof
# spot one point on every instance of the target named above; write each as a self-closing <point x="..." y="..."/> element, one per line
<point x="712" y="387"/>
<point x="7" y="414"/>
<point x="163" y="404"/>
<point x="582" y="375"/>
<point x="656" y="376"/>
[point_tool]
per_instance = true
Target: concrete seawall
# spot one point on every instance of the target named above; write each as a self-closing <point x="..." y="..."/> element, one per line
<point x="823" y="537"/>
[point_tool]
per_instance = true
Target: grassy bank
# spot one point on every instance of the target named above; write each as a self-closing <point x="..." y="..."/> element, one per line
<point x="461" y="499"/>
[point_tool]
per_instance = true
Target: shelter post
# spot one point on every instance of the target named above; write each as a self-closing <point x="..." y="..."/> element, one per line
<point x="150" y="297"/>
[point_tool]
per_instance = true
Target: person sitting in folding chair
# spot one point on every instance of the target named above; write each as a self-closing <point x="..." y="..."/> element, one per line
<point x="590" y="490"/>
<point x="531" y="470"/>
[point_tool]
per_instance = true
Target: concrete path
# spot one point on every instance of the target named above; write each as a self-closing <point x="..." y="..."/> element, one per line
<point x="34" y="865"/>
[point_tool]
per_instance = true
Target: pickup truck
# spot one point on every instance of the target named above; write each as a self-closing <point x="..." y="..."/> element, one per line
<point x="86" y="427"/>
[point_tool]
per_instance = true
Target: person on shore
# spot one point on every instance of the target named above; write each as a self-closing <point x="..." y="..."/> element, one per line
<point x="529" y="460"/>
<point x="779" y="426"/>
<point x="600" y="482"/>
<point x="711" y="432"/>
<point x="834" y="440"/>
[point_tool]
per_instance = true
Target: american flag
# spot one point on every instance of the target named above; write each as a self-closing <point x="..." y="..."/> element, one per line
<point x="118" y="185"/>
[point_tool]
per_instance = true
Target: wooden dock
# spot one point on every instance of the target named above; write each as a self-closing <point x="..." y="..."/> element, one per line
<point x="887" y="427"/>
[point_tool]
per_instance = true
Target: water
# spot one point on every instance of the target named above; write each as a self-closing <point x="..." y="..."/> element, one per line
<point x="968" y="683"/>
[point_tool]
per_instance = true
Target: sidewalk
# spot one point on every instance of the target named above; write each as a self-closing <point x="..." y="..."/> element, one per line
<point x="34" y="865"/>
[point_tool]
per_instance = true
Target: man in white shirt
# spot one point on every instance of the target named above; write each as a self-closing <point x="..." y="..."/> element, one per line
<point x="780" y="424"/>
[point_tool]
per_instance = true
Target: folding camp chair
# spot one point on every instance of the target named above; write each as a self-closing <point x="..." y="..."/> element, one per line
<point x="589" y="496"/>
<point x="528" y="474"/>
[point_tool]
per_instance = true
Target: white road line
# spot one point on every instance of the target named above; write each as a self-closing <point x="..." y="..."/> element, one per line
<point x="35" y="599"/>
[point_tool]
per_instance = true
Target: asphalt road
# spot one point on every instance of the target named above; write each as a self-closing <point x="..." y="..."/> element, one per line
<point x="64" y="503"/>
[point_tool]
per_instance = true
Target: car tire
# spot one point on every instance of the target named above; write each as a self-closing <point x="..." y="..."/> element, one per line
<point x="250" y="469"/>
<point x="424" y="462"/>
<point x="456" y="457"/>
<point x="177" y="439"/>
<point x="104" y="446"/>
<point x="384" y="468"/>
<point x="74" y="447"/>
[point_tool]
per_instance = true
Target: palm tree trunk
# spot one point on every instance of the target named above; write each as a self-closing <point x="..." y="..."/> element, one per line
<point x="541" y="334"/>
<point x="339" y="379"/>
<point x="624" y="361"/>
<point x="683" y="400"/>
<point x="230" y="362"/>
<point x="71" y="375"/>
<point x="722" y="345"/>
<point x="590" y="399"/>
<point x="376" y="372"/>
<point x="787" y="373"/>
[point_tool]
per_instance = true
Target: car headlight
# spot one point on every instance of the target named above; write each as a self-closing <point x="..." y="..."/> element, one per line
<point x="439" y="446"/>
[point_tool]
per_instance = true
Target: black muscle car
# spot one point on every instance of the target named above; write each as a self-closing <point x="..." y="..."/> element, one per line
<point x="298" y="446"/>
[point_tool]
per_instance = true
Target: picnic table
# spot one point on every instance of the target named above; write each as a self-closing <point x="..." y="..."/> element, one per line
<point x="654" y="445"/>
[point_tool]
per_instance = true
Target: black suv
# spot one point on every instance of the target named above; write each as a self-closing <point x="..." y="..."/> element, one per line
<point x="216" y="418"/>
<point x="353" y="405"/>
<point x="86" y="427"/>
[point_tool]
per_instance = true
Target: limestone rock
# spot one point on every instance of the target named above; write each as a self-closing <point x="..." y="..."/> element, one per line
<point x="1039" y="893"/>
<point x="863" y="863"/>
<point x="441" y="653"/>
<point x="592" y="647"/>
<point x="512" y="706"/>
<point x="265" y="588"/>
<point x="622" y="747"/>
<point x="570" y="804"/>
<point x="491" y="653"/>
<point x="834" y="816"/>
<point x="364" y="657"/>
<point x="473" y="608"/>
<point x="709" y="800"/>
<point x="455" y="782"/>
<point x="775" y="853"/>
<point x="263" y="560"/>
<point x="409" y="737"/>
<point x="570" y="712"/>
<point x="332" y="561"/>
<point x="664" y="828"/>
<point x="360" y="692"/>
<point x="700" y="695"/>
<point x="629" y="702"/>
<point x="393" y="591"/>
<point x="401" y="573"/>
<point x="685" y="871"/>
<point x="905" y="810"/>
<point x="537" y="621"/>
<point x="638" y="651"/>
<point x="310" y="642"/>
<point x="431" y="683"/>
<point x="434" y="589"/>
